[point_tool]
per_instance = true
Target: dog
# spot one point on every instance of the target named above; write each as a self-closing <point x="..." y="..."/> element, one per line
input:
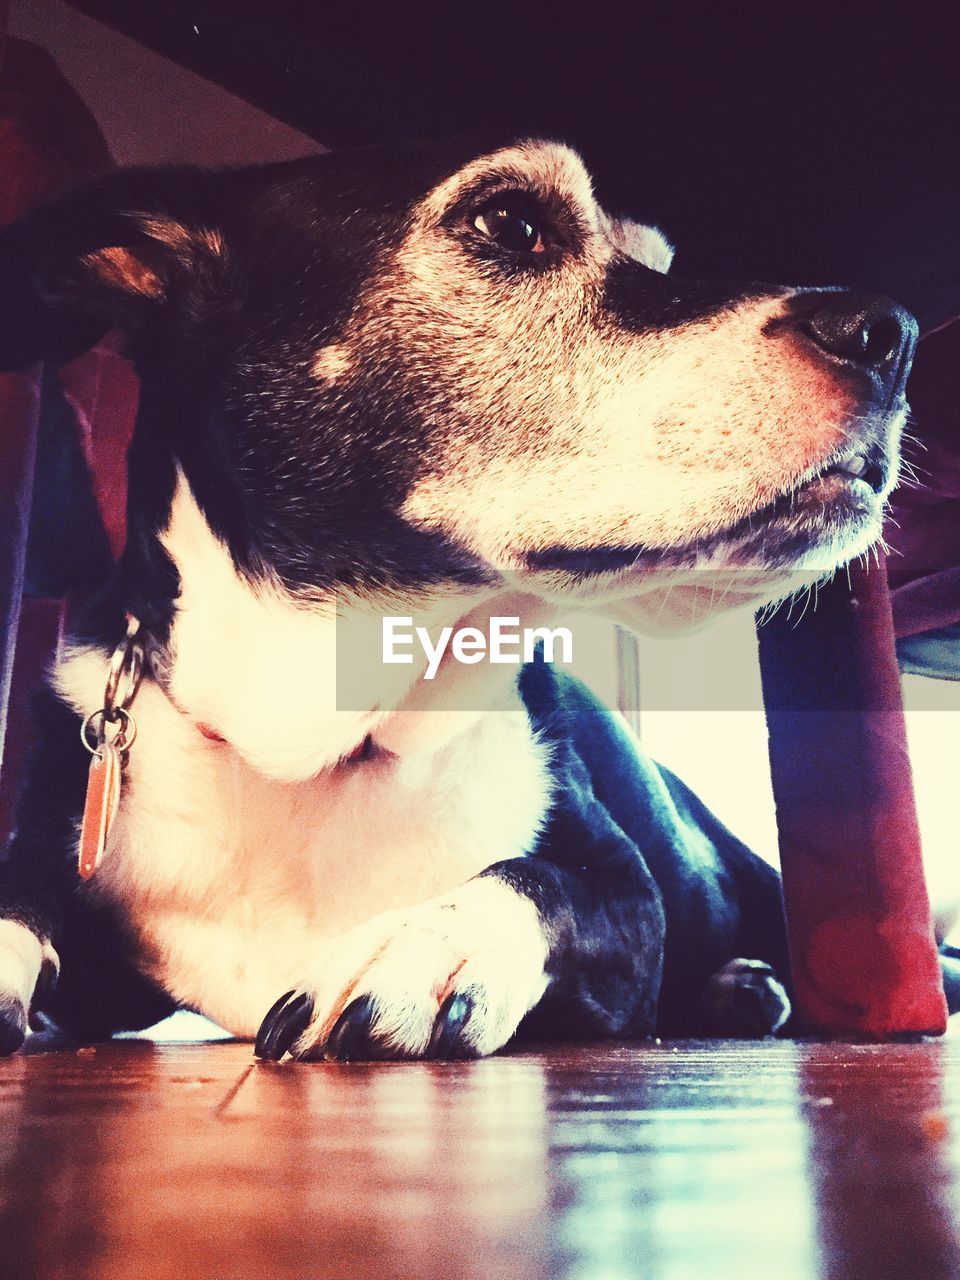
<point x="437" y="382"/>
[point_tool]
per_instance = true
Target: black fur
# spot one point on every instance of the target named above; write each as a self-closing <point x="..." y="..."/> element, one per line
<point x="643" y="300"/>
<point x="633" y="872"/>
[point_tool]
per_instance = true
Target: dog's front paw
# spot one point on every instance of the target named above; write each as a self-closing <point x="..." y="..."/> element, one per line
<point x="449" y="979"/>
<point x="28" y="971"/>
<point x="745" y="999"/>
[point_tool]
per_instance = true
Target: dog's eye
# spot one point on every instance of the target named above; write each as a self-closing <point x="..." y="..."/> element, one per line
<point x="512" y="222"/>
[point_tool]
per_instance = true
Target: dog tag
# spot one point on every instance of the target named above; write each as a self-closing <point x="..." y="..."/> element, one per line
<point x="100" y="807"/>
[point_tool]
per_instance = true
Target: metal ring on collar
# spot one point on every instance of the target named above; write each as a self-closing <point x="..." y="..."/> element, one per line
<point x="124" y="738"/>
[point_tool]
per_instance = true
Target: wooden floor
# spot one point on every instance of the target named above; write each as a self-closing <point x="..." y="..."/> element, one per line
<point x="660" y="1161"/>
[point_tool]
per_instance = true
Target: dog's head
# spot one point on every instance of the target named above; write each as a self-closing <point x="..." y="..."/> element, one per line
<point x="423" y="373"/>
<point x="414" y="365"/>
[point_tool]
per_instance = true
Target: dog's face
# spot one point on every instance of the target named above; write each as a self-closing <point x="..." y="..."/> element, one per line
<point x="417" y="366"/>
<point x="582" y="413"/>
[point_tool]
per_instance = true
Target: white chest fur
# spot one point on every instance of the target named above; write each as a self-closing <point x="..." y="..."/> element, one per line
<point x="235" y="883"/>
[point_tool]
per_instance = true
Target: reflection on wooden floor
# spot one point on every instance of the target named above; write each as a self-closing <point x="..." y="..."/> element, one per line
<point x="589" y="1163"/>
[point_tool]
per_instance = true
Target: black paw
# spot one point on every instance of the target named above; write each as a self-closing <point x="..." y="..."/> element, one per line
<point x="13" y="1025"/>
<point x="285" y="1023"/>
<point x="745" y="999"/>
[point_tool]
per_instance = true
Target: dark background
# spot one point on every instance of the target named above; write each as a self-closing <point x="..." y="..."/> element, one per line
<point x="769" y="141"/>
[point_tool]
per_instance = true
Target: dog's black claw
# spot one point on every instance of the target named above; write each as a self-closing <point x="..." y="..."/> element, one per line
<point x="46" y="982"/>
<point x="13" y="1026"/>
<point x="285" y="1022"/>
<point x="745" y="1000"/>
<point x="446" y="1039"/>
<point x="350" y="1038"/>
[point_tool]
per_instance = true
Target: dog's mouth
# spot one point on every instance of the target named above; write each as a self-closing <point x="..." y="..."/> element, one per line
<point x="844" y="491"/>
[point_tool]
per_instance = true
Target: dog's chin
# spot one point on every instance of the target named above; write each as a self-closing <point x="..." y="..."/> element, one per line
<point x="783" y="547"/>
<point x="823" y="524"/>
<point x="828" y="519"/>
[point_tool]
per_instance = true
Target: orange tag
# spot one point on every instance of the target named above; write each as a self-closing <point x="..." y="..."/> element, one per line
<point x="100" y="807"/>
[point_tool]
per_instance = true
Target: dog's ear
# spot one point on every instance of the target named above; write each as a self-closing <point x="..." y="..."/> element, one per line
<point x="110" y="254"/>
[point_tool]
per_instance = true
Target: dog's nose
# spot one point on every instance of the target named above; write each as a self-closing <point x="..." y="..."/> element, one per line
<point x="859" y="330"/>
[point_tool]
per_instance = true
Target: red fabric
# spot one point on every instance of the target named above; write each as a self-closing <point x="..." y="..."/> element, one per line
<point x="862" y="949"/>
<point x="103" y="392"/>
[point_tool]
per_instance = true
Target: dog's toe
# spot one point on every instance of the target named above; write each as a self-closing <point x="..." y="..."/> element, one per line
<point x="745" y="999"/>
<point x="13" y="1025"/>
<point x="350" y="1038"/>
<point x="285" y="1023"/>
<point x="448" y="1038"/>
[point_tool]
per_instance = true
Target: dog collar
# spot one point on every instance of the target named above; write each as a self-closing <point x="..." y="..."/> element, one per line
<point x="109" y="732"/>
